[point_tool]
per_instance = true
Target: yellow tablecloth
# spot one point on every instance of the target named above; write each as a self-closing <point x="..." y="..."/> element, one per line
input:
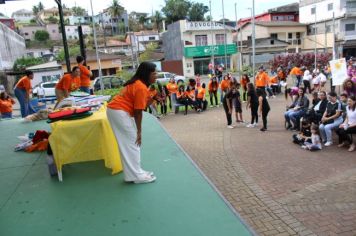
<point x="87" y="139"/>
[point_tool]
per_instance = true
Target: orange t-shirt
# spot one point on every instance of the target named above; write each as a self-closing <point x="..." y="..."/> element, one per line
<point x="172" y="88"/>
<point x="24" y="83"/>
<point x="281" y="75"/>
<point x="261" y="79"/>
<point x="212" y="88"/>
<point x="273" y="80"/>
<point x="68" y="83"/>
<point x="84" y="76"/>
<point x="225" y="84"/>
<point x="132" y="97"/>
<point x="6" y="105"/>
<point x="296" y="71"/>
<point x="201" y="93"/>
<point x="190" y="94"/>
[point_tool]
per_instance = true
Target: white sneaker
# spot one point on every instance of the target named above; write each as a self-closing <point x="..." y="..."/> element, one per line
<point x="250" y="125"/>
<point x="230" y="127"/>
<point x="327" y="144"/>
<point x="147" y="179"/>
<point x="149" y="172"/>
<point x="211" y="106"/>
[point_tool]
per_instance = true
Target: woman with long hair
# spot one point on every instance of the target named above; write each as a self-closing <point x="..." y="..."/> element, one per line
<point x="213" y="87"/>
<point x="349" y="87"/>
<point x="244" y="81"/>
<point x="125" y="113"/>
<point x="349" y="126"/>
<point x="252" y="103"/>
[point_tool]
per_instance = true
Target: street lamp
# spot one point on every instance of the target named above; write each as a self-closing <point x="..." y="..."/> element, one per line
<point x="225" y="34"/>
<point x="253" y="39"/>
<point x="315" y="38"/>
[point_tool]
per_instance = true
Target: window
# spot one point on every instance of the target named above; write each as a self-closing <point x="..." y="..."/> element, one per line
<point x="274" y="36"/>
<point x="350" y="27"/>
<point x="26" y="33"/>
<point x="328" y="29"/>
<point x="313" y="11"/>
<point x="297" y="35"/>
<point x="151" y="38"/>
<point x="290" y="35"/>
<point x="290" y="17"/>
<point x="330" y="6"/>
<point x="201" y="40"/>
<point x="220" y="39"/>
<point x="314" y="30"/>
<point x="249" y="38"/>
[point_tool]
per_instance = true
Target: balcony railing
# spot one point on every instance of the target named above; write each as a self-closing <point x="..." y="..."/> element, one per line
<point x="295" y="41"/>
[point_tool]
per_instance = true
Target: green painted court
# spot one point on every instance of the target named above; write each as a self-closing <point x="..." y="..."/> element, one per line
<point x="91" y="201"/>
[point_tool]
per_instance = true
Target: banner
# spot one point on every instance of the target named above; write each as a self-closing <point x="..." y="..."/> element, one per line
<point x="338" y="71"/>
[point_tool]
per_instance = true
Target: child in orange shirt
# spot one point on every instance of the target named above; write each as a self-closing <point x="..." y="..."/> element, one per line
<point x="202" y="103"/>
<point x="152" y="92"/>
<point x="6" y="103"/>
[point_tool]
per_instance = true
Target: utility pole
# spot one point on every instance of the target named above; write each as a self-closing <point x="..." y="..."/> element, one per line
<point x="315" y="38"/>
<point x="237" y="40"/>
<point x="253" y="39"/>
<point x="225" y="34"/>
<point x="64" y="37"/>
<point x="96" y="49"/>
<point x="334" y="48"/>
<point x="212" y="36"/>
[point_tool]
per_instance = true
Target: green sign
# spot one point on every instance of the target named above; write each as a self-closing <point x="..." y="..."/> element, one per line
<point x="216" y="50"/>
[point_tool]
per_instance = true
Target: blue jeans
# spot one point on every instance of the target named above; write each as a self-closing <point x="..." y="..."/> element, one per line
<point x="26" y="108"/>
<point x="287" y="115"/>
<point x="85" y="89"/>
<point x="295" y="117"/>
<point x="6" y="115"/>
<point x="326" y="130"/>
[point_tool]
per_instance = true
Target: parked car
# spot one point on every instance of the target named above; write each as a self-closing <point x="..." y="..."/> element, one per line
<point x="46" y="89"/>
<point x="109" y="81"/>
<point x="164" y="77"/>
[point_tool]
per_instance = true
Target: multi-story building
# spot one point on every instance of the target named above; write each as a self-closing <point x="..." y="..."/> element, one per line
<point x="110" y="23"/>
<point x="191" y="46"/>
<point x="53" y="12"/>
<point x="329" y="22"/>
<point x="272" y="37"/>
<point x="9" y="22"/>
<point x="23" y="16"/>
<point x="72" y="31"/>
<point x="288" y="12"/>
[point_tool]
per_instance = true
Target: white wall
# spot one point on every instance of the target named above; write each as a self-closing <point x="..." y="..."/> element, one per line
<point x="322" y="12"/>
<point x="12" y="46"/>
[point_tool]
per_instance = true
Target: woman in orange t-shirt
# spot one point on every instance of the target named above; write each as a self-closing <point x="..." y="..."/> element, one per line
<point x="172" y="87"/>
<point x="125" y="116"/>
<point x="6" y="103"/>
<point x="68" y="83"/>
<point x="22" y="93"/>
<point x="85" y="75"/>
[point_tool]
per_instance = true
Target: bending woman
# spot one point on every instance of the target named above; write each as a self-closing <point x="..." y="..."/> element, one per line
<point x="125" y="116"/>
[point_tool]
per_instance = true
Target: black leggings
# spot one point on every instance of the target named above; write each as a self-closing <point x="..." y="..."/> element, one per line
<point x="163" y="108"/>
<point x="344" y="135"/>
<point x="228" y="115"/>
<point x="244" y="94"/>
<point x="254" y="115"/>
<point x="215" y="95"/>
<point x="264" y="119"/>
<point x="307" y="86"/>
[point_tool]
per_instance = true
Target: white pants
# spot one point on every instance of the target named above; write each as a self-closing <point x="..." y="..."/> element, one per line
<point x="125" y="130"/>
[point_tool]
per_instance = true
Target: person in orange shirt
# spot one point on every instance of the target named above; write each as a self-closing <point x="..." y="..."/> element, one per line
<point x="190" y="97"/>
<point x="273" y="82"/>
<point x="213" y="86"/>
<point x="261" y="80"/>
<point x="6" y="103"/>
<point x="202" y="103"/>
<point x="152" y="92"/>
<point x="22" y="92"/>
<point x="85" y="75"/>
<point x="224" y="86"/>
<point x="172" y="89"/>
<point x="298" y="73"/>
<point x="244" y="81"/>
<point x="124" y="113"/>
<point x="68" y="83"/>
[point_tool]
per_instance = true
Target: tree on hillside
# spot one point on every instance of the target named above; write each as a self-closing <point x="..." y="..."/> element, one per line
<point x="35" y="10"/>
<point x="157" y="18"/>
<point x="41" y="35"/>
<point x="78" y="11"/>
<point x="23" y="62"/>
<point x="116" y="10"/>
<point x="175" y="10"/>
<point x="147" y="54"/>
<point x="142" y="21"/>
<point x="73" y="51"/>
<point x="197" y="12"/>
<point x="40" y="7"/>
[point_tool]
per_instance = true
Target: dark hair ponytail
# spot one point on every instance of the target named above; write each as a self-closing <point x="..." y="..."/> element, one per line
<point x="143" y="73"/>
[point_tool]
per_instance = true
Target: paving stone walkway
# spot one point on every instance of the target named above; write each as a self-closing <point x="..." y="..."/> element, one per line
<point x="277" y="188"/>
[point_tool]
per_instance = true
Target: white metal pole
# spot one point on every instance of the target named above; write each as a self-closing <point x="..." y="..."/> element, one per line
<point x="96" y="48"/>
<point x="212" y="36"/>
<point x="237" y="39"/>
<point x="225" y="34"/>
<point x="315" y="38"/>
<point x="334" y="48"/>
<point x="253" y="39"/>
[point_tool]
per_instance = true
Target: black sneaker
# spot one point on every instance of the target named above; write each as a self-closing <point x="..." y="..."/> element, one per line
<point x="263" y="129"/>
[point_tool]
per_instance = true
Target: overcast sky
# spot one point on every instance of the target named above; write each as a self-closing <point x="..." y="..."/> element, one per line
<point x="149" y="5"/>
